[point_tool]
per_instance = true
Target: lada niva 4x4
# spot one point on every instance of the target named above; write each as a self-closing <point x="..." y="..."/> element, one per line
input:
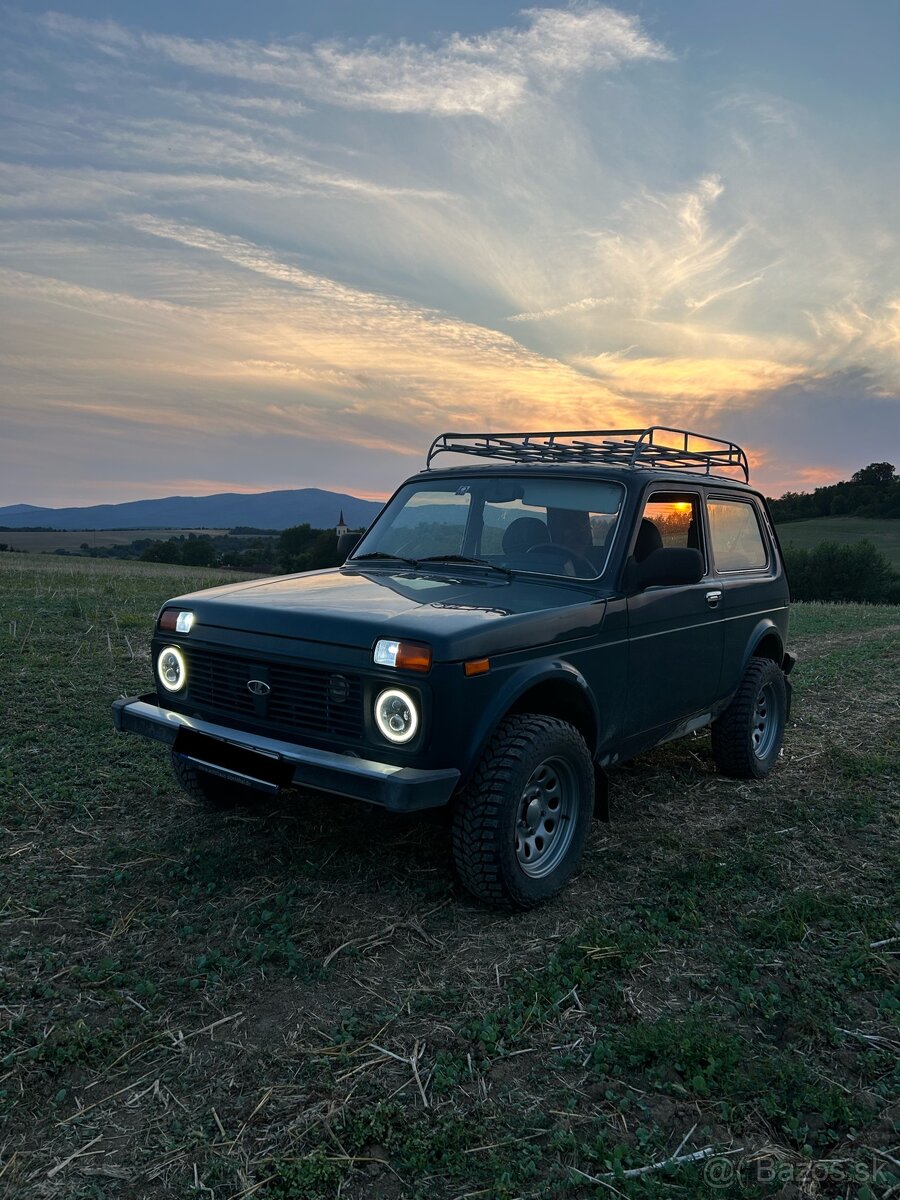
<point x="505" y="631"/>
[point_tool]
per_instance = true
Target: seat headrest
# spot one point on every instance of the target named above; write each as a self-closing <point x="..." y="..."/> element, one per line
<point x="523" y="533"/>
<point x="648" y="539"/>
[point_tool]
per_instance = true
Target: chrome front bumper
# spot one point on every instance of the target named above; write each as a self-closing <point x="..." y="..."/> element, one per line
<point x="211" y="748"/>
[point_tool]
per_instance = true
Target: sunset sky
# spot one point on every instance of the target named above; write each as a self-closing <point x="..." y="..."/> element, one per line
<point x="249" y="246"/>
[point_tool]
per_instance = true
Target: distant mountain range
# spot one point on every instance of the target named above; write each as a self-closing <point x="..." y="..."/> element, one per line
<point x="261" y="510"/>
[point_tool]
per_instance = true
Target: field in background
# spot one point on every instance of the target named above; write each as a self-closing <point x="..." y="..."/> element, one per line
<point x="295" y="1001"/>
<point x="72" y="539"/>
<point x="844" y="530"/>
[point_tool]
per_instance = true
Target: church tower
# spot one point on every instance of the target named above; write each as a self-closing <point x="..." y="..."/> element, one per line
<point x="342" y="526"/>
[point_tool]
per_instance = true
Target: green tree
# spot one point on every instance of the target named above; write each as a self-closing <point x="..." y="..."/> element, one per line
<point x="293" y="547"/>
<point x="876" y="474"/>
<point x="302" y="548"/>
<point x="163" y="552"/>
<point x="198" y="551"/>
<point x="324" y="551"/>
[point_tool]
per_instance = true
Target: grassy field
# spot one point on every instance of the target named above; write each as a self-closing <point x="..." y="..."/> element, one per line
<point x="844" y="530"/>
<point x="297" y="1002"/>
<point x="72" y="539"/>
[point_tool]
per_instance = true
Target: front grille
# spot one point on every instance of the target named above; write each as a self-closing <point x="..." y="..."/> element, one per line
<point x="304" y="700"/>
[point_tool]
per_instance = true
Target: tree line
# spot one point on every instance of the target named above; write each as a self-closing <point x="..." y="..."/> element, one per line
<point x="300" y="548"/>
<point x="873" y="491"/>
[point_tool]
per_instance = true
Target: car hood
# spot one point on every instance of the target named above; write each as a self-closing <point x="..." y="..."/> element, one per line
<point x="460" y="615"/>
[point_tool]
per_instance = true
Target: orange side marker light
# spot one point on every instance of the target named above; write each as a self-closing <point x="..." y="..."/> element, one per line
<point x="477" y="666"/>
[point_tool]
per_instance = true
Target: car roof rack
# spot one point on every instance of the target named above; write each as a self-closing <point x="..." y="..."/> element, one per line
<point x="615" y="447"/>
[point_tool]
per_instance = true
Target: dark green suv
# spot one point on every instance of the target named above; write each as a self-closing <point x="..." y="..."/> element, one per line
<point x="503" y="632"/>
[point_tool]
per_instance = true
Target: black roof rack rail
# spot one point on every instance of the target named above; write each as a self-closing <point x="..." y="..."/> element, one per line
<point x="615" y="447"/>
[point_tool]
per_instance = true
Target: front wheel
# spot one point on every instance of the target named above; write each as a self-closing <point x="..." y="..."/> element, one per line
<point x="746" y="739"/>
<point x="520" y="825"/>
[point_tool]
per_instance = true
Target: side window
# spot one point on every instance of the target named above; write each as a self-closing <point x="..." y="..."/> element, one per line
<point x="737" y="542"/>
<point x="669" y="519"/>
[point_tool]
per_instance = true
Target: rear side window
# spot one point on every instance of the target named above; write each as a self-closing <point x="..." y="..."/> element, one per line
<point x="737" y="541"/>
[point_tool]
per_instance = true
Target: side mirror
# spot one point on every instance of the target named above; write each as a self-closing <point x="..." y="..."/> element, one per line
<point x="666" y="567"/>
<point x="347" y="543"/>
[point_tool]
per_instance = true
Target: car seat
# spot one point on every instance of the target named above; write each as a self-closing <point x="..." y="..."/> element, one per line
<point x="648" y="539"/>
<point x="523" y="533"/>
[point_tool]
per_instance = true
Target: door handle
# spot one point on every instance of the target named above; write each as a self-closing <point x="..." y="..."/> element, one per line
<point x="713" y="598"/>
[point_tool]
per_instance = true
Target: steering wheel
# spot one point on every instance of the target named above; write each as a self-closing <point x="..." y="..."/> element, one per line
<point x="581" y="567"/>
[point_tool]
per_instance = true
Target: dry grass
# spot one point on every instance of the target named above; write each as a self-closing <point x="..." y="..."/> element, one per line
<point x="297" y="1001"/>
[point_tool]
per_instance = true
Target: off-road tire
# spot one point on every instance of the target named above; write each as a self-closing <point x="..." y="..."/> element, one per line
<point x="487" y="811"/>
<point x="762" y="689"/>
<point x="208" y="790"/>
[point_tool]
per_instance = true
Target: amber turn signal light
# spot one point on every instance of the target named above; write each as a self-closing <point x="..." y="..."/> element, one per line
<point x="477" y="666"/>
<point x="412" y="656"/>
<point x="407" y="656"/>
<point x="176" y="620"/>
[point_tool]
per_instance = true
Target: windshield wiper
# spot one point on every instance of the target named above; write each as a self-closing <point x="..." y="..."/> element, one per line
<point x="372" y="554"/>
<point x="464" y="558"/>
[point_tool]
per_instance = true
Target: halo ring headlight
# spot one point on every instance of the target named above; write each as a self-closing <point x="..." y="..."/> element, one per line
<point x="171" y="669"/>
<point x="397" y="716"/>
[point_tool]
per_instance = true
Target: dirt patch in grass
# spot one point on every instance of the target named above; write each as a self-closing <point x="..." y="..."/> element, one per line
<point x="296" y="1001"/>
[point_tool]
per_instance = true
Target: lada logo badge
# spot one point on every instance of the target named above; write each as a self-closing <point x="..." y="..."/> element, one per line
<point x="258" y="687"/>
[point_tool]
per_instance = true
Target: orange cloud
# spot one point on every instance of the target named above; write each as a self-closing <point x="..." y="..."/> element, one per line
<point x="661" y="379"/>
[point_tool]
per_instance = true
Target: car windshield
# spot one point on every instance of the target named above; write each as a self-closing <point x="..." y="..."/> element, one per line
<point x="531" y="524"/>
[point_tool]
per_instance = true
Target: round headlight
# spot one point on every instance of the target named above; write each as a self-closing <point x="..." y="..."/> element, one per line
<point x="396" y="715"/>
<point x="171" y="669"/>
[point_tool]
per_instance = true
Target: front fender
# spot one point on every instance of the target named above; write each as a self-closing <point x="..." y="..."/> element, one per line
<point x="521" y="680"/>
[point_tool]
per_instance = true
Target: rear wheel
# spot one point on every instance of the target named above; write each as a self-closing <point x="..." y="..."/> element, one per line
<point x="208" y="790"/>
<point x="520" y="826"/>
<point x="746" y="739"/>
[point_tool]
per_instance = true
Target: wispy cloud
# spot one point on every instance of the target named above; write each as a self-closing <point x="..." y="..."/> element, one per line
<point x="574" y="306"/>
<point x="674" y="247"/>
<point x="765" y="109"/>
<point x="300" y="354"/>
<point x="685" y="378"/>
<point x="482" y="76"/>
<point x="865" y="332"/>
<point x="718" y="293"/>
